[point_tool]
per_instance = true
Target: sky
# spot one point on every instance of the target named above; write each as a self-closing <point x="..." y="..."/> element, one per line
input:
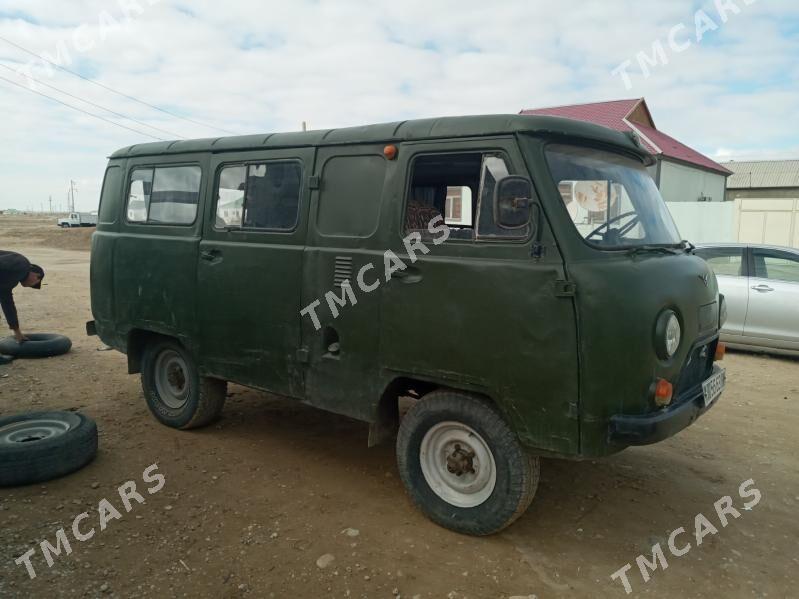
<point x="722" y="77"/>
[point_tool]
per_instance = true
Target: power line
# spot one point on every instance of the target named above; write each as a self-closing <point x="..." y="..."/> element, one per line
<point x="119" y="93"/>
<point x="97" y="116"/>
<point x="97" y="105"/>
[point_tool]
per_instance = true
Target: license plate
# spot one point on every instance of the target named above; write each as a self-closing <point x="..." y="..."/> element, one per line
<point x="713" y="387"/>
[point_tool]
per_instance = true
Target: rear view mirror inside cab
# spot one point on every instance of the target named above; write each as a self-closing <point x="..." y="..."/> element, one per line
<point x="513" y="202"/>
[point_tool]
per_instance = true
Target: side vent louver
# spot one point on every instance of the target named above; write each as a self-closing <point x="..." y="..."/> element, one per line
<point x="343" y="270"/>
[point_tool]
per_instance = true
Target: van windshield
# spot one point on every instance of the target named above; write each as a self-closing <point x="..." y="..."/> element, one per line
<point x="611" y="198"/>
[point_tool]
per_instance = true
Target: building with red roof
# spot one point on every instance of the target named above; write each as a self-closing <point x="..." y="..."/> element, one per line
<point x="681" y="173"/>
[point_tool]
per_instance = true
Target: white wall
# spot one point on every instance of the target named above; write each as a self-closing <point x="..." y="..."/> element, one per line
<point x="679" y="183"/>
<point x="706" y="222"/>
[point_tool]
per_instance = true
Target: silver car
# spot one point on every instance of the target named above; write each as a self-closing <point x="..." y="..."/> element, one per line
<point x="760" y="284"/>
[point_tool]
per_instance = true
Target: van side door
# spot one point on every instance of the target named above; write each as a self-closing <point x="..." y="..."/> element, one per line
<point x="250" y="267"/>
<point x="155" y="252"/>
<point x="482" y="310"/>
<point x="345" y="240"/>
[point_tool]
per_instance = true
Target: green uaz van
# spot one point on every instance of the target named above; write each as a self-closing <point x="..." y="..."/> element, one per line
<point x="519" y="277"/>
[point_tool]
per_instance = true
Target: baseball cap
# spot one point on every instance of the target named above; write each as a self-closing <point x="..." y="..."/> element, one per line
<point x="39" y="271"/>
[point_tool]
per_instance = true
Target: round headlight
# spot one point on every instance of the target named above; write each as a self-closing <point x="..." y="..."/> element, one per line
<point x="673" y="334"/>
<point x="668" y="334"/>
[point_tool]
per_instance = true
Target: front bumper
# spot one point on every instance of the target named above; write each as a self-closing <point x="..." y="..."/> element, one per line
<point x="650" y="428"/>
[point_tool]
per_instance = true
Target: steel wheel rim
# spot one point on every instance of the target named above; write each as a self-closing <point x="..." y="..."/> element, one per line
<point x="458" y="464"/>
<point x="31" y="431"/>
<point x="172" y="379"/>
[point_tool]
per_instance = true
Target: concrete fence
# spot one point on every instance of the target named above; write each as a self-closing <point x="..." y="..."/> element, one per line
<point x="768" y="221"/>
<point x="705" y="222"/>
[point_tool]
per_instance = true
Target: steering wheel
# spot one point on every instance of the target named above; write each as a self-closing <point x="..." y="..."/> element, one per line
<point x="622" y="230"/>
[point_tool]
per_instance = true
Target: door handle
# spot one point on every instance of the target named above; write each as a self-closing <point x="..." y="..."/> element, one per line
<point x="210" y="255"/>
<point x="763" y="288"/>
<point x="409" y="275"/>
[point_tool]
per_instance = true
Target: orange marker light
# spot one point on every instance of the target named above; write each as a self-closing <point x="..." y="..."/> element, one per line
<point x="390" y="152"/>
<point x="663" y="392"/>
<point x="721" y="351"/>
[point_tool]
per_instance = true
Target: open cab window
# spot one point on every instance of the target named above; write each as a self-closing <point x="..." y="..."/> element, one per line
<point x="460" y="189"/>
<point x="611" y="199"/>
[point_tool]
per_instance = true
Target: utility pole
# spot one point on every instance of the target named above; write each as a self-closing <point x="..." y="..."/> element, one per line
<point x="72" y="195"/>
<point x="51" y="204"/>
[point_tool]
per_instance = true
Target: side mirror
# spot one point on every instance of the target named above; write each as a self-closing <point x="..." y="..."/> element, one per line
<point x="513" y="201"/>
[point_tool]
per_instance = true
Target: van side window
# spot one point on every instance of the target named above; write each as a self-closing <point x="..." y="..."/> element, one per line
<point x="141" y="185"/>
<point x="460" y="189"/>
<point x="230" y="196"/>
<point x="444" y="185"/>
<point x="259" y="196"/>
<point x="164" y="195"/>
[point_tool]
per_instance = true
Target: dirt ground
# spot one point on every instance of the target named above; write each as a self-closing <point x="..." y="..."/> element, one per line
<point x="38" y="230"/>
<point x="42" y="230"/>
<point x="251" y="503"/>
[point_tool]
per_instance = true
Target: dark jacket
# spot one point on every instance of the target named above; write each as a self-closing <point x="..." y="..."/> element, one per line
<point x="13" y="269"/>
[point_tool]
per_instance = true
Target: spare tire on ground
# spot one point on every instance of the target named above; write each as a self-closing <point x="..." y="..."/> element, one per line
<point x="39" y="345"/>
<point x="40" y="446"/>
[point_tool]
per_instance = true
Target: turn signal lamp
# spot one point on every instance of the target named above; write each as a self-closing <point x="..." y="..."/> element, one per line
<point x="663" y="392"/>
<point x="390" y="152"/>
<point x="721" y="351"/>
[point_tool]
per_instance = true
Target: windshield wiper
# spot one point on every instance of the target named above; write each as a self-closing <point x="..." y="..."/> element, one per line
<point x="652" y="249"/>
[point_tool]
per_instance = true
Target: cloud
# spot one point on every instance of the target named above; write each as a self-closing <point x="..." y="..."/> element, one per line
<point x="267" y="66"/>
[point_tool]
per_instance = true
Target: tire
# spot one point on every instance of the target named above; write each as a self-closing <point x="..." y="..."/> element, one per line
<point x="5" y="359"/>
<point x="457" y="425"/>
<point x="176" y="395"/>
<point x="40" y="446"/>
<point x="39" y="345"/>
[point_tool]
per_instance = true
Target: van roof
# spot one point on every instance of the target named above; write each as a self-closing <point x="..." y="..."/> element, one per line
<point x="412" y="130"/>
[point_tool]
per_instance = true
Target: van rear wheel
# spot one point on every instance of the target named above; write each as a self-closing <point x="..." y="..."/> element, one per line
<point x="175" y="393"/>
<point x="462" y="465"/>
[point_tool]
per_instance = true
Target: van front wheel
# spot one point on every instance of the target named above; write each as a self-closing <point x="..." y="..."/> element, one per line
<point x="462" y="465"/>
<point x="175" y="393"/>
